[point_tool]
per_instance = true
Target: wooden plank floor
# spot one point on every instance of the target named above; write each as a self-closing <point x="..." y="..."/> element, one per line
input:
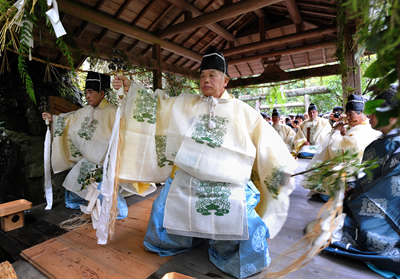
<point x="118" y="253"/>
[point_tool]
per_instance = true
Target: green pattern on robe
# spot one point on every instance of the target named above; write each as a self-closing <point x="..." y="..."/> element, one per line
<point x="161" y="146"/>
<point x="213" y="196"/>
<point x="88" y="127"/>
<point x="213" y="137"/>
<point x="273" y="181"/>
<point x="60" y="126"/>
<point x="146" y="107"/>
<point x="74" y="150"/>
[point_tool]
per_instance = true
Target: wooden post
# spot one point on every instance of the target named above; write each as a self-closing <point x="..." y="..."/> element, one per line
<point x="352" y="83"/>
<point x="157" y="74"/>
<point x="306" y="102"/>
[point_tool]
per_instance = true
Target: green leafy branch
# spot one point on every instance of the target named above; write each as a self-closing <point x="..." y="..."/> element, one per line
<point x="24" y="50"/>
<point x="95" y="175"/>
<point x="329" y="172"/>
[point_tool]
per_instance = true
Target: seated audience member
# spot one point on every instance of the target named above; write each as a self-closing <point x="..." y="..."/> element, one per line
<point x="370" y="230"/>
<point x="353" y="137"/>
<point x="311" y="134"/>
<point x="264" y="115"/>
<point x="296" y="125"/>
<point x="335" y="114"/>
<point x="300" y="118"/>
<point x="284" y="131"/>
<point x="288" y="122"/>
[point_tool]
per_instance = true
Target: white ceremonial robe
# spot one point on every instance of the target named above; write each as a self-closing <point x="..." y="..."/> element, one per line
<point x="286" y="132"/>
<point x="80" y="141"/>
<point x="357" y="138"/>
<point x="319" y="129"/>
<point x="240" y="147"/>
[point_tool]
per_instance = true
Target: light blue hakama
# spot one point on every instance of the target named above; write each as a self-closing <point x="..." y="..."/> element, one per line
<point x="239" y="258"/>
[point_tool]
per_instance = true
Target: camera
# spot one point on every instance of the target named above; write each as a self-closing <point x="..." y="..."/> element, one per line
<point x="336" y="115"/>
<point x="296" y="122"/>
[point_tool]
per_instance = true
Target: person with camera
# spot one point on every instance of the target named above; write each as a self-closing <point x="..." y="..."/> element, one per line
<point x="352" y="132"/>
<point x="335" y="115"/>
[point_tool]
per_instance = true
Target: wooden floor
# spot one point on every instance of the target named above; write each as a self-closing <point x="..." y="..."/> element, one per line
<point x="193" y="263"/>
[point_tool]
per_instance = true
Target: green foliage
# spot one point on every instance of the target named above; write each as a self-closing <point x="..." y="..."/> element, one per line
<point x="175" y="85"/>
<point x="94" y="175"/>
<point x="378" y="32"/>
<point x="328" y="172"/>
<point x="24" y="50"/>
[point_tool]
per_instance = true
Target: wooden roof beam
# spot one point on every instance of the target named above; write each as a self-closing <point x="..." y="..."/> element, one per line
<point x="225" y="12"/>
<point x="215" y="27"/>
<point x="286" y="51"/>
<point x="280" y="40"/>
<point x="119" y="26"/>
<point x="295" y="15"/>
<point x="282" y="76"/>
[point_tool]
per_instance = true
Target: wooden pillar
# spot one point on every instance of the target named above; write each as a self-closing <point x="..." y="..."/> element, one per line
<point x="352" y="82"/>
<point x="157" y="74"/>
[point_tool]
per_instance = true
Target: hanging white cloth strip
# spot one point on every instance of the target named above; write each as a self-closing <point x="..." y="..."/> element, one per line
<point x="54" y="18"/>
<point x="107" y="187"/>
<point x="47" y="173"/>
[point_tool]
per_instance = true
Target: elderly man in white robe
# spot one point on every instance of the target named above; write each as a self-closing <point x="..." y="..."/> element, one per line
<point x="219" y="147"/>
<point x="310" y="134"/>
<point x="80" y="141"/>
<point x="286" y="132"/>
<point x="353" y="133"/>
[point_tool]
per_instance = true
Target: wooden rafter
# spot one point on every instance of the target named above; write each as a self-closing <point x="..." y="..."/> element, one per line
<point x="280" y="40"/>
<point x="225" y="12"/>
<point x="294" y="13"/>
<point x="282" y="52"/>
<point x="123" y="28"/>
<point x="300" y="74"/>
<point x="136" y="20"/>
<point x="186" y="6"/>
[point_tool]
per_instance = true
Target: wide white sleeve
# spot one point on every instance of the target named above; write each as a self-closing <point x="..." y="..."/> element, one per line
<point x="143" y="136"/>
<point x="270" y="172"/>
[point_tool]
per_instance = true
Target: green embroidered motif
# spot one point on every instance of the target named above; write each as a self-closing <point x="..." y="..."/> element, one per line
<point x="161" y="146"/>
<point x="273" y="181"/>
<point x="60" y="126"/>
<point x="86" y="168"/>
<point x="213" y="196"/>
<point x="88" y="127"/>
<point x="73" y="150"/>
<point x="146" y="107"/>
<point x="213" y="137"/>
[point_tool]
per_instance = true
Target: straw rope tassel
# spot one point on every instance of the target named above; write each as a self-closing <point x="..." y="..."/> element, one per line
<point x="317" y="239"/>
<point x="114" y="207"/>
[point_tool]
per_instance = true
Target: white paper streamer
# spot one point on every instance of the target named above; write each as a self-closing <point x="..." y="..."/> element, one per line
<point x="47" y="173"/>
<point x="54" y="18"/>
<point x="107" y="186"/>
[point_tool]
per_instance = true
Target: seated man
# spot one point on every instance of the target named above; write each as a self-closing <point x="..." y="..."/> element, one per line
<point x="285" y="131"/>
<point x="370" y="231"/>
<point x="80" y="142"/>
<point x="311" y="134"/>
<point x="217" y="144"/>
<point x="354" y="136"/>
